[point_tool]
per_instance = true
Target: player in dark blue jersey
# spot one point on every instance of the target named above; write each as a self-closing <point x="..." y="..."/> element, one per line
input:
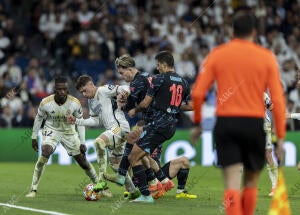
<point x="166" y="92"/>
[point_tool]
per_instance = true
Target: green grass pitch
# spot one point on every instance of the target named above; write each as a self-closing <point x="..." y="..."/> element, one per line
<point x="60" y="190"/>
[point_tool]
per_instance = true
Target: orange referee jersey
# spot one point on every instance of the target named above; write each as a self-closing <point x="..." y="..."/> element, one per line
<point x="243" y="71"/>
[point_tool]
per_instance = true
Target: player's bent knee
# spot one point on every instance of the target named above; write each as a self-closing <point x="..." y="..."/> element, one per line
<point x="100" y="143"/>
<point x="131" y="159"/>
<point x="185" y="162"/>
<point x="47" y="150"/>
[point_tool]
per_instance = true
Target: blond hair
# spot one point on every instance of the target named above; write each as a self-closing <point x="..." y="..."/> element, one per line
<point x="125" y="61"/>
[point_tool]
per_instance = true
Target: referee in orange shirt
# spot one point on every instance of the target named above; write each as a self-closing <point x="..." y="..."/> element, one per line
<point x="243" y="71"/>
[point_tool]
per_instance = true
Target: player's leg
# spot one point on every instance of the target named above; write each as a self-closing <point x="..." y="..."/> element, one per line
<point x="71" y="143"/>
<point x="179" y="167"/>
<point x="119" y="178"/>
<point x="271" y="166"/>
<point x="135" y="159"/>
<point x="115" y="157"/>
<point x="87" y="167"/>
<point x="253" y="150"/>
<point x="166" y="183"/>
<point x="154" y="185"/>
<point x="250" y="191"/>
<point x="272" y="170"/>
<point x="47" y="150"/>
<point x="100" y="145"/>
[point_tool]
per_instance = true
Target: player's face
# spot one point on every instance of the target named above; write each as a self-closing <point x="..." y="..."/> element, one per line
<point x="125" y="73"/>
<point x="87" y="90"/>
<point x="161" y="67"/>
<point x="61" y="91"/>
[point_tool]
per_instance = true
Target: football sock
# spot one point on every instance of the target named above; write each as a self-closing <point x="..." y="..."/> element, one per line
<point x="91" y="172"/>
<point x="129" y="184"/>
<point x="273" y="174"/>
<point x="179" y="190"/>
<point x="139" y="173"/>
<point x="249" y="197"/>
<point x="101" y="156"/>
<point x="38" y="171"/>
<point x="182" y="177"/>
<point x="232" y="202"/>
<point x="124" y="164"/>
<point x="150" y="175"/>
<point x="160" y="175"/>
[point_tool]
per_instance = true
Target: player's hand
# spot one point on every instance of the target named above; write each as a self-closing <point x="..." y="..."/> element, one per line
<point x="71" y="119"/>
<point x="134" y="135"/>
<point x="121" y="99"/>
<point x="279" y="152"/>
<point x="195" y="134"/>
<point x="82" y="148"/>
<point x="131" y="113"/>
<point x="34" y="145"/>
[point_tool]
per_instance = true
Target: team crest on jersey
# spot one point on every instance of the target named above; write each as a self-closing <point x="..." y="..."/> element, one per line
<point x="68" y="112"/>
<point x="110" y="86"/>
<point x="150" y="81"/>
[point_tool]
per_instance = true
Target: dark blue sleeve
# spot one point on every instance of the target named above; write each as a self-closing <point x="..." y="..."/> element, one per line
<point x="187" y="97"/>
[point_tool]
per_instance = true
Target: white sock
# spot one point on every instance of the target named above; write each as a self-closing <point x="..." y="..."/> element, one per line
<point x="179" y="190"/>
<point x="129" y="184"/>
<point x="153" y="182"/>
<point x="273" y="174"/>
<point x="91" y="172"/>
<point x="38" y="171"/>
<point x="101" y="156"/>
<point x="165" y="181"/>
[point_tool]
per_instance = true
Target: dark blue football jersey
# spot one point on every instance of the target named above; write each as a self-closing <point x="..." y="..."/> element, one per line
<point x="168" y="91"/>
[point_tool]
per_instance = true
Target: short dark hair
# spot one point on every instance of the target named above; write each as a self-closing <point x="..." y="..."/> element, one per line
<point x="82" y="81"/>
<point x="60" y="79"/>
<point x="244" y="22"/>
<point x="165" y="57"/>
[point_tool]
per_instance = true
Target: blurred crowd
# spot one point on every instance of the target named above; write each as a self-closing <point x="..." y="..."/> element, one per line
<point x="40" y="39"/>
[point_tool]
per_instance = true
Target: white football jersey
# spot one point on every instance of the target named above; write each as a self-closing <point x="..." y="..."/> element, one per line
<point x="102" y="108"/>
<point x="55" y="115"/>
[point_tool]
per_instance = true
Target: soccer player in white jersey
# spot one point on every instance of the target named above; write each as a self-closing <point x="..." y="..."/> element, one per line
<point x="271" y="166"/>
<point x="103" y="108"/>
<point x="54" y="109"/>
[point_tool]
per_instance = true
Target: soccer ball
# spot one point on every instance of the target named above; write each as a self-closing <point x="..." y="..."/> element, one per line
<point x="89" y="194"/>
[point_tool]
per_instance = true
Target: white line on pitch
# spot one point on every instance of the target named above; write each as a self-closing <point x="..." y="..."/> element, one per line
<point x="32" y="209"/>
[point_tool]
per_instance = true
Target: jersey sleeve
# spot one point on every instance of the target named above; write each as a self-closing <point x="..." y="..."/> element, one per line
<point x="136" y="91"/>
<point x="40" y="116"/>
<point x="187" y="96"/>
<point x="78" y="111"/>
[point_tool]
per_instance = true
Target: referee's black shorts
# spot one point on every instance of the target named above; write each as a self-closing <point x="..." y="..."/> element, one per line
<point x="240" y="140"/>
